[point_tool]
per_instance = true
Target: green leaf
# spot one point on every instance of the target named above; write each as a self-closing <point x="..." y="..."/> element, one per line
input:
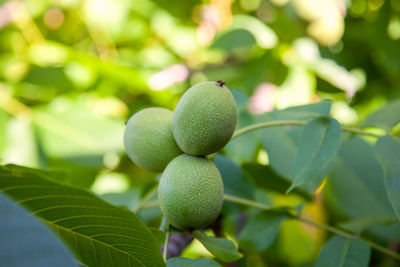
<point x="24" y="241"/>
<point x="186" y="262"/>
<point x="384" y="117"/>
<point x="100" y="234"/>
<point x="361" y="224"/>
<point x="244" y="148"/>
<point x="179" y="10"/>
<point x="80" y="171"/>
<point x="240" y="97"/>
<point x="234" y="40"/>
<point x="49" y="78"/>
<point x="281" y="142"/>
<point x="344" y="252"/>
<point x="75" y="130"/>
<point x="221" y="248"/>
<point x="20" y="143"/>
<point x="264" y="176"/>
<point x="356" y="189"/>
<point x="319" y="144"/>
<point x="265" y="36"/>
<point x="388" y="151"/>
<point x="120" y="73"/>
<point x="159" y="235"/>
<point x="304" y="112"/>
<point x="4" y="119"/>
<point x="261" y="231"/>
<point x="235" y="183"/>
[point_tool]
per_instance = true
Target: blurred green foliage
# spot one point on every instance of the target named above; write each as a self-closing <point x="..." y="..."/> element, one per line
<point x="73" y="71"/>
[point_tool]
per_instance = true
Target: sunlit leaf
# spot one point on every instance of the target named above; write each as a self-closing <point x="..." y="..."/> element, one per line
<point x="69" y="128"/>
<point x="177" y="9"/>
<point x="265" y="36"/>
<point x="384" y="117"/>
<point x="120" y="73"/>
<point x="20" y="143"/>
<point x="4" y="119"/>
<point x="221" y="248"/>
<point x="298" y="87"/>
<point x="234" y="40"/>
<point x="50" y="77"/>
<point x="327" y="69"/>
<point x="306" y="242"/>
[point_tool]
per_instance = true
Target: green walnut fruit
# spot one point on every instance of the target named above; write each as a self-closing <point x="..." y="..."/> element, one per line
<point x="148" y="139"/>
<point x="190" y="192"/>
<point x="205" y="118"/>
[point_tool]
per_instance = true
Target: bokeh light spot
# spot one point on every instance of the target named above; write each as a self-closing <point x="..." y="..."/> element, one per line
<point x="53" y="18"/>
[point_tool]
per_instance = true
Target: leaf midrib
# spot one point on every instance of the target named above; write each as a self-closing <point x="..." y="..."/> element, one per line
<point x="297" y="177"/>
<point x="344" y="253"/>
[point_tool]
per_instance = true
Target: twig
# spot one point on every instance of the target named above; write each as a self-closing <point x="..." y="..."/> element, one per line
<point x="246" y="202"/>
<point x="296" y="123"/>
<point x="265" y="125"/>
<point x="328" y="228"/>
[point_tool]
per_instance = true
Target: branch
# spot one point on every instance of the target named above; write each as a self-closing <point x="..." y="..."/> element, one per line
<point x="246" y="202"/>
<point x="265" y="125"/>
<point x="297" y="123"/>
<point x="328" y="228"/>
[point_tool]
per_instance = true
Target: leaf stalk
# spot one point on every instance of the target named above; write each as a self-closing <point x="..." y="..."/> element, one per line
<point x="296" y="123"/>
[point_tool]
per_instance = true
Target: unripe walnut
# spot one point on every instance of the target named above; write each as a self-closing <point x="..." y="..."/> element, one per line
<point x="205" y="118"/>
<point x="191" y="192"/>
<point x="148" y="139"/>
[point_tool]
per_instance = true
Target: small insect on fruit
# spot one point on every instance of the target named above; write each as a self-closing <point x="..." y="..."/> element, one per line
<point x="220" y="83"/>
<point x="205" y="118"/>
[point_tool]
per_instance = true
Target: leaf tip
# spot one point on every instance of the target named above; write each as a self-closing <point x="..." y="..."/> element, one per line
<point x="293" y="186"/>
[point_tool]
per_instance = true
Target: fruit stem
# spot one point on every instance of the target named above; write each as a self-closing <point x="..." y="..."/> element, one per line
<point x="294" y="122"/>
<point x="167" y="233"/>
<point x="332" y="229"/>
